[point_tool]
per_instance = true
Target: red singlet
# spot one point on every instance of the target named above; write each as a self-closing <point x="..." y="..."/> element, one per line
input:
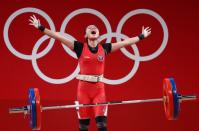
<point x="89" y="92"/>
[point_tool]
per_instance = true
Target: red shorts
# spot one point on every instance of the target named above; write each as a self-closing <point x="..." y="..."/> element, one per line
<point x="91" y="93"/>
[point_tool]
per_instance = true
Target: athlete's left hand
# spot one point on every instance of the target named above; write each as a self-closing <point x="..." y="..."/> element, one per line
<point x="146" y="31"/>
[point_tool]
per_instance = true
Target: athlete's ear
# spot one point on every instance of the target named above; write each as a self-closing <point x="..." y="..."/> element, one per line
<point x="85" y="36"/>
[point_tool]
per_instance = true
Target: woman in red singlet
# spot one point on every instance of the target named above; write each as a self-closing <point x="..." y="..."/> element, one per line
<point x="91" y="56"/>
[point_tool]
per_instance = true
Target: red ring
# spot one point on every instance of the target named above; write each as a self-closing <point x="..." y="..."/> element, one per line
<point x="168" y="103"/>
<point x="38" y="109"/>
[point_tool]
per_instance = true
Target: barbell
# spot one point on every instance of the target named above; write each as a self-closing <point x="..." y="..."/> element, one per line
<point x="171" y="100"/>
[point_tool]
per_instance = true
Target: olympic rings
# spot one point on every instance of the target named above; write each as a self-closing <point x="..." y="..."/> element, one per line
<point x="43" y="76"/>
<point x="7" y="25"/>
<point x="81" y="11"/>
<point x="163" y="24"/>
<point x="136" y="64"/>
<point x="109" y="35"/>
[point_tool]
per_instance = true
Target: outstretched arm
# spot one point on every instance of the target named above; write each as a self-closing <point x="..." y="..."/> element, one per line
<point x="145" y="33"/>
<point x="36" y="23"/>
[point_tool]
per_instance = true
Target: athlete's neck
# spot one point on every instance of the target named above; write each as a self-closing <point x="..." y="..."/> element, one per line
<point x="92" y="43"/>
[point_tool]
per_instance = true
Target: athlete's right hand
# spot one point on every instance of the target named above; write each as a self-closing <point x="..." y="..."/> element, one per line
<point x="34" y="21"/>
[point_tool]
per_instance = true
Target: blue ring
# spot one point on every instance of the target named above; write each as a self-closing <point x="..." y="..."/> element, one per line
<point x="32" y="103"/>
<point x="175" y="98"/>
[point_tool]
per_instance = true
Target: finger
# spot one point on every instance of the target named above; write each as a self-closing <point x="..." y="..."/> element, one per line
<point x="34" y="16"/>
<point x="31" y="20"/>
<point x="149" y="32"/>
<point x="146" y="28"/>
<point x="35" y="20"/>
<point x="142" y="28"/>
<point x="31" y="24"/>
<point x="39" y="21"/>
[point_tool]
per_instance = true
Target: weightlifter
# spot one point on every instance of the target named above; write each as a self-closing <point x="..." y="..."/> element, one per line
<point x="91" y="58"/>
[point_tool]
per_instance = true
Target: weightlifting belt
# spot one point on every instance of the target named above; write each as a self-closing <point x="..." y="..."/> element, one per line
<point x="90" y="78"/>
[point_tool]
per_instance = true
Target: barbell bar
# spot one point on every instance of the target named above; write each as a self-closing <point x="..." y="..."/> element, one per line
<point x="27" y="108"/>
<point x="171" y="100"/>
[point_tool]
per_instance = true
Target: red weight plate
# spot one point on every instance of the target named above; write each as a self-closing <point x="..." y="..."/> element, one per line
<point x="168" y="99"/>
<point x="38" y="109"/>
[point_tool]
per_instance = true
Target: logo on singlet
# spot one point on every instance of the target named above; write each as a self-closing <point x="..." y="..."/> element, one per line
<point x="86" y="57"/>
<point x="100" y="58"/>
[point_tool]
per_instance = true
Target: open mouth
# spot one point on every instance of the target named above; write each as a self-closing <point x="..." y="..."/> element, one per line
<point x="93" y="32"/>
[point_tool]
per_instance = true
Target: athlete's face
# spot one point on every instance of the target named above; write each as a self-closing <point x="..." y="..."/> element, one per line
<point x="92" y="32"/>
